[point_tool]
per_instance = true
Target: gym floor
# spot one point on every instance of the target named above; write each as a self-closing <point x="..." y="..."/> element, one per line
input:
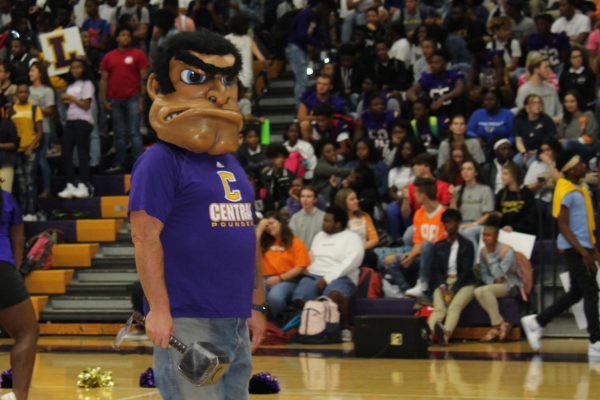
<point x="461" y="371"/>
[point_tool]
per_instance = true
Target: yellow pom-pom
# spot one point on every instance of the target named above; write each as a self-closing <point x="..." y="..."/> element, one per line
<point x="91" y="378"/>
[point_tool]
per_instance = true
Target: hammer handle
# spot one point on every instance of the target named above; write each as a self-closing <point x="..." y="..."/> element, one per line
<point x="173" y="341"/>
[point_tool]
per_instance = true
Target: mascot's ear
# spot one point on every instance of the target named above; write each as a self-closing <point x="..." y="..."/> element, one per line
<point x="152" y="86"/>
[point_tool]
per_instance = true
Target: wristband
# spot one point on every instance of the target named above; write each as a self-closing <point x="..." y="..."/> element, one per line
<point x="260" y="308"/>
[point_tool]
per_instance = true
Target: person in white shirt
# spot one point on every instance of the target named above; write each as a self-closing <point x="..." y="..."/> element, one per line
<point x="575" y="24"/>
<point x="336" y="254"/>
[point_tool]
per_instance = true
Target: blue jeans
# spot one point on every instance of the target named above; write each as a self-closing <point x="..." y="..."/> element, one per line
<point x="42" y="161"/>
<point x="396" y="223"/>
<point x="279" y="295"/>
<point x="126" y="124"/>
<point x="402" y="276"/>
<point x="586" y="151"/>
<point x="307" y="288"/>
<point x="298" y="60"/>
<point x="228" y="334"/>
<point x="25" y="178"/>
<point x="95" y="152"/>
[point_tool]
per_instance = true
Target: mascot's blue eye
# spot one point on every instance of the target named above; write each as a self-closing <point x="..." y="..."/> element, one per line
<point x="192" y="78"/>
<point x="227" y="80"/>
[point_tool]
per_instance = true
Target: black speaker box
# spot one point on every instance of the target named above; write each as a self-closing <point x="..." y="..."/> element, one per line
<point x="390" y="336"/>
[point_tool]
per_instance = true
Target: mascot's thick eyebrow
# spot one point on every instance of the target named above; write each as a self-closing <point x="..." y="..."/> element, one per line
<point x="209" y="69"/>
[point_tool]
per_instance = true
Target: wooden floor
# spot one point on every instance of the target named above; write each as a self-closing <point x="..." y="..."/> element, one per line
<point x="461" y="371"/>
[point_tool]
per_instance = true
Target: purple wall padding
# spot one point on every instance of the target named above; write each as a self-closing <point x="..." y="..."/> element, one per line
<point x="90" y="206"/>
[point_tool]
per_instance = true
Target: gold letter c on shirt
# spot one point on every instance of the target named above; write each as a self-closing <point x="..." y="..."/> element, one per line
<point x="226" y="178"/>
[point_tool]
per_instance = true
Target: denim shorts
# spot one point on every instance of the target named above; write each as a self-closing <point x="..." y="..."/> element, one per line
<point x="231" y="336"/>
<point x="307" y="288"/>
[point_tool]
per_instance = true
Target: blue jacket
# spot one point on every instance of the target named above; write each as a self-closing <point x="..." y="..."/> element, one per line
<point x="492" y="128"/>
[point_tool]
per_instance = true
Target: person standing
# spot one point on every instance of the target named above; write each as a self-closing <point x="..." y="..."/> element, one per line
<point x="123" y="72"/>
<point x="572" y="206"/>
<point x="16" y="311"/>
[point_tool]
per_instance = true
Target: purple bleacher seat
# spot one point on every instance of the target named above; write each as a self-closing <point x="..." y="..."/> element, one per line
<point x="68" y="227"/>
<point x="474" y="315"/>
<point x="383" y="306"/>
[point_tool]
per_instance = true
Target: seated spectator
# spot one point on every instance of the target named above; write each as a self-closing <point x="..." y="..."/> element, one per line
<point x="276" y="177"/>
<point x="307" y="222"/>
<point x="498" y="267"/>
<point x="429" y="129"/>
<point x="542" y="175"/>
<point x="577" y="76"/>
<point x="400" y="176"/>
<point x="423" y="64"/>
<point x="451" y="277"/>
<point x="532" y="126"/>
<point x="554" y="46"/>
<point x="349" y="76"/>
<point x="284" y="259"/>
<point x="327" y="125"/>
<point x="515" y="205"/>
<point x="474" y="200"/>
<point x="336" y="254"/>
<point x="539" y="71"/>
<point x="572" y="22"/>
<point x="375" y="122"/>
<point x="523" y="26"/>
<point x="251" y="154"/>
<point x="98" y="28"/>
<point x="359" y="221"/>
<point x="504" y="44"/>
<point x="294" y="143"/>
<point x="311" y="98"/>
<point x="451" y="170"/>
<point x="397" y="131"/>
<point x="492" y="122"/>
<point x="428" y="229"/>
<point x="389" y="73"/>
<point x="7" y="88"/>
<point x="400" y="46"/>
<point x="365" y="154"/>
<point x="578" y="130"/>
<point x="20" y="60"/>
<point x="423" y="167"/>
<point x="328" y="165"/>
<point x="593" y="45"/>
<point x="491" y="172"/>
<point x="370" y="89"/>
<point x="457" y="130"/>
<point x="443" y="87"/>
<point x="375" y="30"/>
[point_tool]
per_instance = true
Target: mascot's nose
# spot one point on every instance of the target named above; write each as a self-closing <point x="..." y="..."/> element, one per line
<point x="218" y="98"/>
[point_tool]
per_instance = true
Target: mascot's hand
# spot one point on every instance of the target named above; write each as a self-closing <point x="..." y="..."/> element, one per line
<point x="159" y="326"/>
<point x="257" y="325"/>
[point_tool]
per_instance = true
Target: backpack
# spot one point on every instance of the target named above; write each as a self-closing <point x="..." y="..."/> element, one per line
<point x="319" y="322"/>
<point x="296" y="164"/>
<point x="369" y="284"/>
<point x="523" y="270"/>
<point x="38" y="251"/>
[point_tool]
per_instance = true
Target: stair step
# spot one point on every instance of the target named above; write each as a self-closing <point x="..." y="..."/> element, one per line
<point x="280" y="119"/>
<point x="281" y="83"/>
<point x="73" y="254"/>
<point x="76" y="288"/>
<point x="85" y="315"/>
<point x="48" y="281"/>
<point x="269" y="101"/>
<point x="81" y="230"/>
<point x="117" y="250"/>
<point x="84" y="328"/>
<point x="107" y="276"/>
<point x="114" y="263"/>
<point x="39" y="304"/>
<point x="89" y="302"/>
<point x="93" y="207"/>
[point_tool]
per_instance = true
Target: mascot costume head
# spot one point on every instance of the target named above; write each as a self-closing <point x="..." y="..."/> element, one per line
<point x="194" y="93"/>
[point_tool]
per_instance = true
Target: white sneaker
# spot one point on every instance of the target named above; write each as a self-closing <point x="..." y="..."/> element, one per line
<point x="594" y="350"/>
<point x="30" y="218"/>
<point x="68" y="192"/>
<point x="346" y="335"/>
<point x="81" y="192"/>
<point x="533" y="331"/>
<point x="418" y="290"/>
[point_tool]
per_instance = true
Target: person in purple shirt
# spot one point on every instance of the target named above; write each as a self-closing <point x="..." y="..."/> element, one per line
<point x="375" y="122"/>
<point x="311" y="98"/>
<point x="305" y="31"/>
<point x="443" y="87"/>
<point x="555" y="46"/>
<point x="190" y="205"/>
<point x="16" y="311"/>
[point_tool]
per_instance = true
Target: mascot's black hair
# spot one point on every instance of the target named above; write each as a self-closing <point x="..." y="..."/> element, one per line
<point x="180" y="45"/>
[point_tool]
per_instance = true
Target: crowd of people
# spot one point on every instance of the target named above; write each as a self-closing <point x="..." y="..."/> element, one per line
<point x="430" y="123"/>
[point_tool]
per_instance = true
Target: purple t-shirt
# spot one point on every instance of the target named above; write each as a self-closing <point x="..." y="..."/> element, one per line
<point x="437" y="87"/>
<point x="377" y="128"/>
<point x="10" y="216"/>
<point x="205" y="203"/>
<point x="310" y="100"/>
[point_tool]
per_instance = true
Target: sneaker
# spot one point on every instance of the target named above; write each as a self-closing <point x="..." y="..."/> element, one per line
<point x="418" y="290"/>
<point x="594" y="350"/>
<point x="30" y="218"/>
<point x="68" y="192"/>
<point x="81" y="192"/>
<point x="346" y="335"/>
<point x="533" y="331"/>
<point x="440" y="334"/>
<point x="115" y="170"/>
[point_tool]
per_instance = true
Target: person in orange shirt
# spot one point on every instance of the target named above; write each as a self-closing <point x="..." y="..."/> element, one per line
<point x="284" y="260"/>
<point x="428" y="229"/>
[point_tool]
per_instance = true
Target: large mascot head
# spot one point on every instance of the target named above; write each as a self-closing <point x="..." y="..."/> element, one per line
<point x="194" y="93"/>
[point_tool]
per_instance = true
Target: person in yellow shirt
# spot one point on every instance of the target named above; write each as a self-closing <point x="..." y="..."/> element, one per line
<point x="28" y="121"/>
<point x="284" y="260"/>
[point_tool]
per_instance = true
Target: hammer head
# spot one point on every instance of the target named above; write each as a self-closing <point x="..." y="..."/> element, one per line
<point x="203" y="363"/>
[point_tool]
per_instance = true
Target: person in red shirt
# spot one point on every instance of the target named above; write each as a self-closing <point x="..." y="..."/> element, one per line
<point x="123" y="72"/>
<point x="423" y="166"/>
